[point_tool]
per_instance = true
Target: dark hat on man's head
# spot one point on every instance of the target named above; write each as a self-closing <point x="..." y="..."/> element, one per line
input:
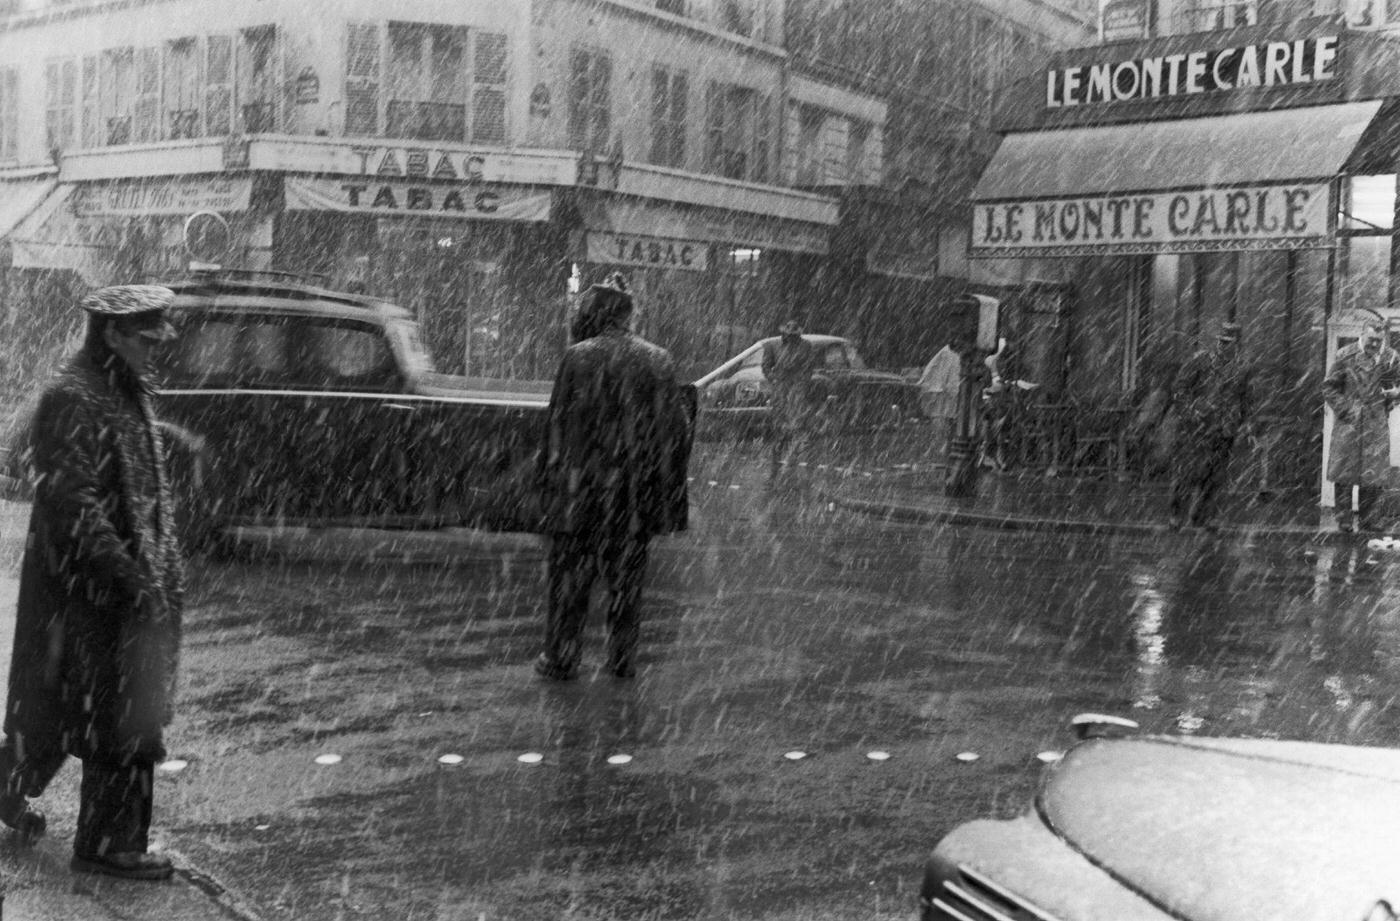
<point x="1229" y="332"/>
<point x="137" y="307"/>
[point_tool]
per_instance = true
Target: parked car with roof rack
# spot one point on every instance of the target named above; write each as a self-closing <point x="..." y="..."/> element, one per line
<point x="290" y="403"/>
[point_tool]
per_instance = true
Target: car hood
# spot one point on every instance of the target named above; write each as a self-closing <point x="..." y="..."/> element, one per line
<point x="1227" y="830"/>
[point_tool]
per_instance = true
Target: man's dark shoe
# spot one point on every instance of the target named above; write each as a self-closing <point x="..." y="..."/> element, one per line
<point x="28" y="823"/>
<point x="125" y="865"/>
<point x="545" y="667"/>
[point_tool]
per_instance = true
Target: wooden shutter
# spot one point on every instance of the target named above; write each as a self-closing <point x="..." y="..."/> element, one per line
<point x="91" y="103"/>
<point x="218" y="85"/>
<point x="362" y="79"/>
<point x="762" y="139"/>
<point x="146" y="126"/>
<point x="714" y="127"/>
<point x="9" y="112"/>
<point x="489" y="68"/>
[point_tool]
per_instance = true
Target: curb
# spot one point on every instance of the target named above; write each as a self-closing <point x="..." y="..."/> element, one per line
<point x="218" y="894"/>
<point x="927" y="515"/>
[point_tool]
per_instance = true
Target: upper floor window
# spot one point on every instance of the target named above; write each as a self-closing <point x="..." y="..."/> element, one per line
<point x="590" y="99"/>
<point x="669" y="89"/>
<point x="677" y="7"/>
<point x="808" y="153"/>
<point x="738" y="140"/>
<point x="858" y="152"/>
<point x="182" y="90"/>
<point x="257" y="79"/>
<point x="60" y="93"/>
<point x="117" y="76"/>
<point x="426" y="81"/>
<point x="9" y="113"/>
<point x="1210" y="15"/>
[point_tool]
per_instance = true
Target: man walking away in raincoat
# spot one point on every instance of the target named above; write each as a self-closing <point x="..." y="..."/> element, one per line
<point x="612" y="474"/>
<point x="1210" y="395"/>
<point x="1360" y="389"/>
<point x="101" y="591"/>
<point x="788" y="365"/>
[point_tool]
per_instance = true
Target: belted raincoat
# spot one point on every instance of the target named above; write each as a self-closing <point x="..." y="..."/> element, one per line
<point x="1359" y="451"/>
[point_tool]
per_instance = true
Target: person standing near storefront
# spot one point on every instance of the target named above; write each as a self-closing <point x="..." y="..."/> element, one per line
<point x="788" y="364"/>
<point x="1210" y="396"/>
<point x="101" y="593"/>
<point x="612" y="473"/>
<point x="1360" y="390"/>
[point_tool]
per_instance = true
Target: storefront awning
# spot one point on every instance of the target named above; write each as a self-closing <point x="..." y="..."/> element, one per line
<point x="19" y="198"/>
<point x="1226" y="150"/>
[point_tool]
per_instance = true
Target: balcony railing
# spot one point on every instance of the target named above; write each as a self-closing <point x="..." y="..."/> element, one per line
<point x="426" y="121"/>
<point x="184" y="123"/>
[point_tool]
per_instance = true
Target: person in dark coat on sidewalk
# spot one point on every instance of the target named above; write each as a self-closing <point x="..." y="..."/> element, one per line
<point x="1210" y="396"/>
<point x="612" y="474"/>
<point x="1361" y="387"/>
<point x="101" y="592"/>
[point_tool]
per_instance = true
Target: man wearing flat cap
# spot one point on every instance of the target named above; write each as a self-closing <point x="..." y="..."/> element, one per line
<point x="101" y="586"/>
<point x="1361" y="387"/>
<point x="1211" y="397"/>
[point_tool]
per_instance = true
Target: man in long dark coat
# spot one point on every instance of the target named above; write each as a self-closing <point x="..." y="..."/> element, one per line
<point x="612" y="474"/>
<point x="1360" y="389"/>
<point x="101" y="591"/>
<point x="1210" y="396"/>
<point x="788" y="365"/>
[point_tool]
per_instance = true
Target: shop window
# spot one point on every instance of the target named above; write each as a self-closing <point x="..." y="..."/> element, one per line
<point x="426" y="82"/>
<point x="737" y="133"/>
<point x="489" y="69"/>
<point x="590" y="100"/>
<point x="257" y="79"/>
<point x="1370" y="204"/>
<point x="218" y="85"/>
<point x="675" y="7"/>
<point x="60" y="89"/>
<point x="1367" y="275"/>
<point x="182" y="89"/>
<point x="9" y="115"/>
<point x="362" y="79"/>
<point x="668" y="107"/>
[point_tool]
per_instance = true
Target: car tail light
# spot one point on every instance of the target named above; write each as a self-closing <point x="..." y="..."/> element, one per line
<point x="966" y="895"/>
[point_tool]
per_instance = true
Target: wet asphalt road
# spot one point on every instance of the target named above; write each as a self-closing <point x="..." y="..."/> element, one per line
<point x="776" y="626"/>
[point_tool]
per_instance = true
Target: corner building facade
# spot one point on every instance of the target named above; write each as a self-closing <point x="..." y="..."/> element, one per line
<point x="474" y="162"/>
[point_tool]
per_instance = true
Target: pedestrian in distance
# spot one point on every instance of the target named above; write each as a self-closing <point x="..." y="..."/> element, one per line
<point x="1210" y="397"/>
<point x="612" y="475"/>
<point x="938" y="393"/>
<point x="788" y="365"/>
<point x="101" y="592"/>
<point x="1360" y="389"/>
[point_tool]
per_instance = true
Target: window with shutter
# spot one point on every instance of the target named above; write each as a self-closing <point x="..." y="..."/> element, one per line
<point x="218" y="85"/>
<point x="118" y="84"/>
<point x="590" y="100"/>
<point x="425" y="82"/>
<point x="669" y="89"/>
<point x="362" y="55"/>
<point x="92" y="104"/>
<point x="60" y="85"/>
<point x="489" y="67"/>
<point x="762" y="138"/>
<point x="738" y="132"/>
<point x="9" y="112"/>
<point x="147" y="106"/>
<point x="182" y="88"/>
<point x="257" y="80"/>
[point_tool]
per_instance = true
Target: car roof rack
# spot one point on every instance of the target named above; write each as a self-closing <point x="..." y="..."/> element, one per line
<point x="265" y="276"/>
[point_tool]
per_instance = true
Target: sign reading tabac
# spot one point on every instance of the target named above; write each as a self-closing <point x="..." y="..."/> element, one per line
<point x="472" y="201"/>
<point x="1288" y="216"/>
<point x="649" y="252"/>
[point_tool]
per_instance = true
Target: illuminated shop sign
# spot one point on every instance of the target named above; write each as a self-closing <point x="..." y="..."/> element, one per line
<point x="648" y="252"/>
<point x="1286" y="216"/>
<point x="1264" y="64"/>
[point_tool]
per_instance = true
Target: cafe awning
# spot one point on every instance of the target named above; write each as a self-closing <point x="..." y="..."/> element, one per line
<point x="19" y="198"/>
<point x="1225" y="150"/>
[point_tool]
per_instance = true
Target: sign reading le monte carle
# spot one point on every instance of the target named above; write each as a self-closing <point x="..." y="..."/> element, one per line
<point x="1292" y="215"/>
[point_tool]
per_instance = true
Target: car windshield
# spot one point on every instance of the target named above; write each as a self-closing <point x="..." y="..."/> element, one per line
<point x="272" y="351"/>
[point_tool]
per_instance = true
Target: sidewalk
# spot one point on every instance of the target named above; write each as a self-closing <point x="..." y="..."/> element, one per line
<point x="1031" y="501"/>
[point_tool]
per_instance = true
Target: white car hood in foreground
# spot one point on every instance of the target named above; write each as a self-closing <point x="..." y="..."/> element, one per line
<point x="1236" y="830"/>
